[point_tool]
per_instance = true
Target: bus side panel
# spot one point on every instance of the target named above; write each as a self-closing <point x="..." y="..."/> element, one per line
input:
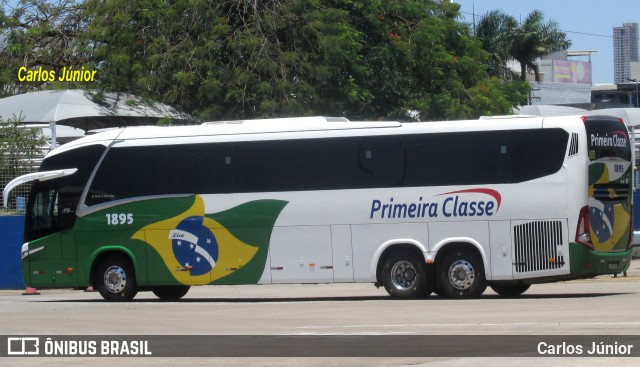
<point x="301" y="254"/>
<point x="265" y="278"/>
<point x="68" y="245"/>
<point x="370" y="240"/>
<point x="501" y="250"/>
<point x="48" y="268"/>
<point x="342" y="253"/>
<point x="173" y="240"/>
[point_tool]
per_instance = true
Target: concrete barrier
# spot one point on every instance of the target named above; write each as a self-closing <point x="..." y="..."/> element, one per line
<point x="11" y="231"/>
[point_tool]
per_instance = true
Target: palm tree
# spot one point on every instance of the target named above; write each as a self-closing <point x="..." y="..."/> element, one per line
<point x="524" y="42"/>
<point x="494" y="31"/>
<point x="533" y="39"/>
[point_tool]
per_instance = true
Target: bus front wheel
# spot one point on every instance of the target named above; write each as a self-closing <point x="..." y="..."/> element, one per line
<point x="404" y="276"/>
<point x="116" y="280"/>
<point x="461" y="275"/>
<point x="171" y="292"/>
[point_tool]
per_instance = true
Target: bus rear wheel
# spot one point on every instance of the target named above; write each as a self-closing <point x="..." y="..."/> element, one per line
<point x="171" y="292"/>
<point x="404" y="276"/>
<point x="116" y="280"/>
<point x="510" y="290"/>
<point x="461" y="275"/>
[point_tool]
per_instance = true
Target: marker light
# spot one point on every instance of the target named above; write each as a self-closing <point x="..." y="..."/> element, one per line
<point x="583" y="229"/>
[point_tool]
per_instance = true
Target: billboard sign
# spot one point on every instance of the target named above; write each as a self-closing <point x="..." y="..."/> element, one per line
<point x="568" y="71"/>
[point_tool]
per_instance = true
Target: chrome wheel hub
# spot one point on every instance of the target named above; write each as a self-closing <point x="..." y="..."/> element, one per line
<point x="403" y="275"/>
<point x="461" y="274"/>
<point x="115" y="279"/>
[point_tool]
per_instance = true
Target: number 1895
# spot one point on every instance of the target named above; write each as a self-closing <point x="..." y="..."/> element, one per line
<point x="115" y="219"/>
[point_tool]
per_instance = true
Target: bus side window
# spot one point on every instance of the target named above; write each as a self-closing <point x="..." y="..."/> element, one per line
<point x="198" y="169"/>
<point x="426" y="160"/>
<point x="537" y="153"/>
<point x="128" y="172"/>
<point x="385" y="155"/>
<point x="267" y="166"/>
<point x="478" y="158"/>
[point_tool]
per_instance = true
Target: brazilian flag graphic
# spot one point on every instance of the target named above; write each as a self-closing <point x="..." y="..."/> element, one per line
<point x="609" y="214"/>
<point x="196" y="248"/>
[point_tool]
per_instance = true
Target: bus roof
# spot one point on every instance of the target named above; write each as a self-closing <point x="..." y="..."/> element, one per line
<point x="283" y="125"/>
<point x="332" y="126"/>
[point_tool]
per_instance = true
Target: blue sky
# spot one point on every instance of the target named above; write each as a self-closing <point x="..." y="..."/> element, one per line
<point x="588" y="23"/>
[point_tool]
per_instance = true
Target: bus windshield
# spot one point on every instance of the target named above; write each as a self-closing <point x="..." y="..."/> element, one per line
<point x="608" y="138"/>
<point x="44" y="215"/>
<point x="53" y="203"/>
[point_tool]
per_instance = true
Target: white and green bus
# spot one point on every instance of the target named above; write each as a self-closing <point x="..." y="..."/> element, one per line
<point x="446" y="207"/>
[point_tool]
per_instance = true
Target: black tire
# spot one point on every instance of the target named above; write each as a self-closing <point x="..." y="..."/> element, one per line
<point x="403" y="275"/>
<point x="432" y="275"/>
<point x="510" y="290"/>
<point x="171" y="292"/>
<point x="461" y="275"/>
<point x="116" y="280"/>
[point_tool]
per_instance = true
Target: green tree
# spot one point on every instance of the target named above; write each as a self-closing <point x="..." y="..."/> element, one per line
<point x="422" y="62"/>
<point x="236" y="59"/>
<point x="40" y="34"/>
<point x="239" y="59"/>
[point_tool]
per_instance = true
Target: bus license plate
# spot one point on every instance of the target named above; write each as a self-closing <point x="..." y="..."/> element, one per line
<point x="614" y="265"/>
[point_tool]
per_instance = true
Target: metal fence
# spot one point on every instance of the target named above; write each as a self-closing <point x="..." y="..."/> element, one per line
<point x="15" y="165"/>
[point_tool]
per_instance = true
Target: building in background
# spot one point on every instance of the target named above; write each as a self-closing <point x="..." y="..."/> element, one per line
<point x="625" y="51"/>
<point x="565" y="80"/>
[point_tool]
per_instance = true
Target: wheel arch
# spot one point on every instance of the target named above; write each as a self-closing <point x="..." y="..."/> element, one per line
<point x="392" y="246"/>
<point x="105" y="252"/>
<point x="444" y="247"/>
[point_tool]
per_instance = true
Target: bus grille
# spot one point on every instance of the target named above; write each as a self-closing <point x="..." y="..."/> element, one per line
<point x="536" y="246"/>
<point x="611" y="192"/>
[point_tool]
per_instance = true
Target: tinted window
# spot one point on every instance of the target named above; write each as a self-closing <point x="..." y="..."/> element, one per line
<point x="269" y="166"/>
<point x="484" y="157"/>
<point x="197" y="168"/>
<point x="289" y="165"/>
<point x="84" y="159"/>
<point x="537" y="153"/>
<point x="127" y="172"/>
<point x="63" y="193"/>
<point x="607" y="137"/>
<point x="329" y="163"/>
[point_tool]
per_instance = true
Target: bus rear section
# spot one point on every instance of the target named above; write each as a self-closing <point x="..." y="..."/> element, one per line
<point x="604" y="231"/>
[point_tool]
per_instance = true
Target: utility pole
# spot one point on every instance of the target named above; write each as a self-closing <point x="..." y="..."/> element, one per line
<point x="473" y="14"/>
